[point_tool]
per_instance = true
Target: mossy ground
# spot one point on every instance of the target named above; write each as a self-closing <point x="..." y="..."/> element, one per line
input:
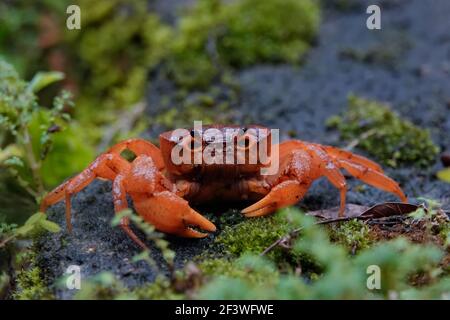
<point x="394" y="141"/>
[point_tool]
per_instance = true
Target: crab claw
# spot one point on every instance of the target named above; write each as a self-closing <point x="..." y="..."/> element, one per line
<point x="285" y="194"/>
<point x="172" y="214"/>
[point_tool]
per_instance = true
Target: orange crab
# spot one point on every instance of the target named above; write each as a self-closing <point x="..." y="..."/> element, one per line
<point x="161" y="188"/>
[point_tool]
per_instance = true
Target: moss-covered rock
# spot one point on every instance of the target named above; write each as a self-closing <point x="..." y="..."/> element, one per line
<point x="384" y="134"/>
<point x="217" y="34"/>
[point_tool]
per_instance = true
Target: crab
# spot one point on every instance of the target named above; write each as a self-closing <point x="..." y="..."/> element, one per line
<point x="162" y="187"/>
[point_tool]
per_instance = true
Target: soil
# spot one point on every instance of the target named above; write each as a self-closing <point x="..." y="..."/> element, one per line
<point x="406" y="64"/>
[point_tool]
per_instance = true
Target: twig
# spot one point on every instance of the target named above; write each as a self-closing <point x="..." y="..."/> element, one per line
<point x="356" y="141"/>
<point x="6" y="240"/>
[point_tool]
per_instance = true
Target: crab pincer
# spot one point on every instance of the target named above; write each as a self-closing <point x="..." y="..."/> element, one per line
<point x="172" y="214"/>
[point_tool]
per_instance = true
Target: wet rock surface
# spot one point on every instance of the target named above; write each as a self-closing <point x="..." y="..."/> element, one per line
<point x="407" y="64"/>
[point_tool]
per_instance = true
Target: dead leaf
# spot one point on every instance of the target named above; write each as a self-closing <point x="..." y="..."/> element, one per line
<point x="381" y="210"/>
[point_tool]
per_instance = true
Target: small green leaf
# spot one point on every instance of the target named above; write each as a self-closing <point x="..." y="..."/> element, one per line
<point x="14" y="161"/>
<point x="122" y="214"/>
<point x="25" y="229"/>
<point x="44" y="79"/>
<point x="35" y="218"/>
<point x="50" y="226"/>
<point x="444" y="175"/>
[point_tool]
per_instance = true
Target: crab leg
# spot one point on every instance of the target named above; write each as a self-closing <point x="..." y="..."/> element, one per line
<point x="120" y="204"/>
<point x="310" y="161"/>
<point x="304" y="167"/>
<point x="339" y="154"/>
<point x="140" y="147"/>
<point x="373" y="178"/>
<point x="329" y="169"/>
<point x="106" y="166"/>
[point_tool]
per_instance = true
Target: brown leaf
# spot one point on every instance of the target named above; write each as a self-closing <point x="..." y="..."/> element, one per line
<point x="378" y="211"/>
<point x="389" y="209"/>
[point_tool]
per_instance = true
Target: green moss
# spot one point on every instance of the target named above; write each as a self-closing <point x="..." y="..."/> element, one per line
<point x="30" y="284"/>
<point x="119" y="41"/>
<point x="354" y="235"/>
<point x="384" y="134"/>
<point x="215" y="34"/>
<point x="242" y="268"/>
<point x="253" y="235"/>
<point x="268" y="31"/>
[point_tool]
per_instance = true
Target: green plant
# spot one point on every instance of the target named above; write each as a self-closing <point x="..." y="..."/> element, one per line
<point x="33" y="226"/>
<point x="374" y="127"/>
<point x="29" y="133"/>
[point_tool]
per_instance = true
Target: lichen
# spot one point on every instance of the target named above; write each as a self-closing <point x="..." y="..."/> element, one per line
<point x="384" y="134"/>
